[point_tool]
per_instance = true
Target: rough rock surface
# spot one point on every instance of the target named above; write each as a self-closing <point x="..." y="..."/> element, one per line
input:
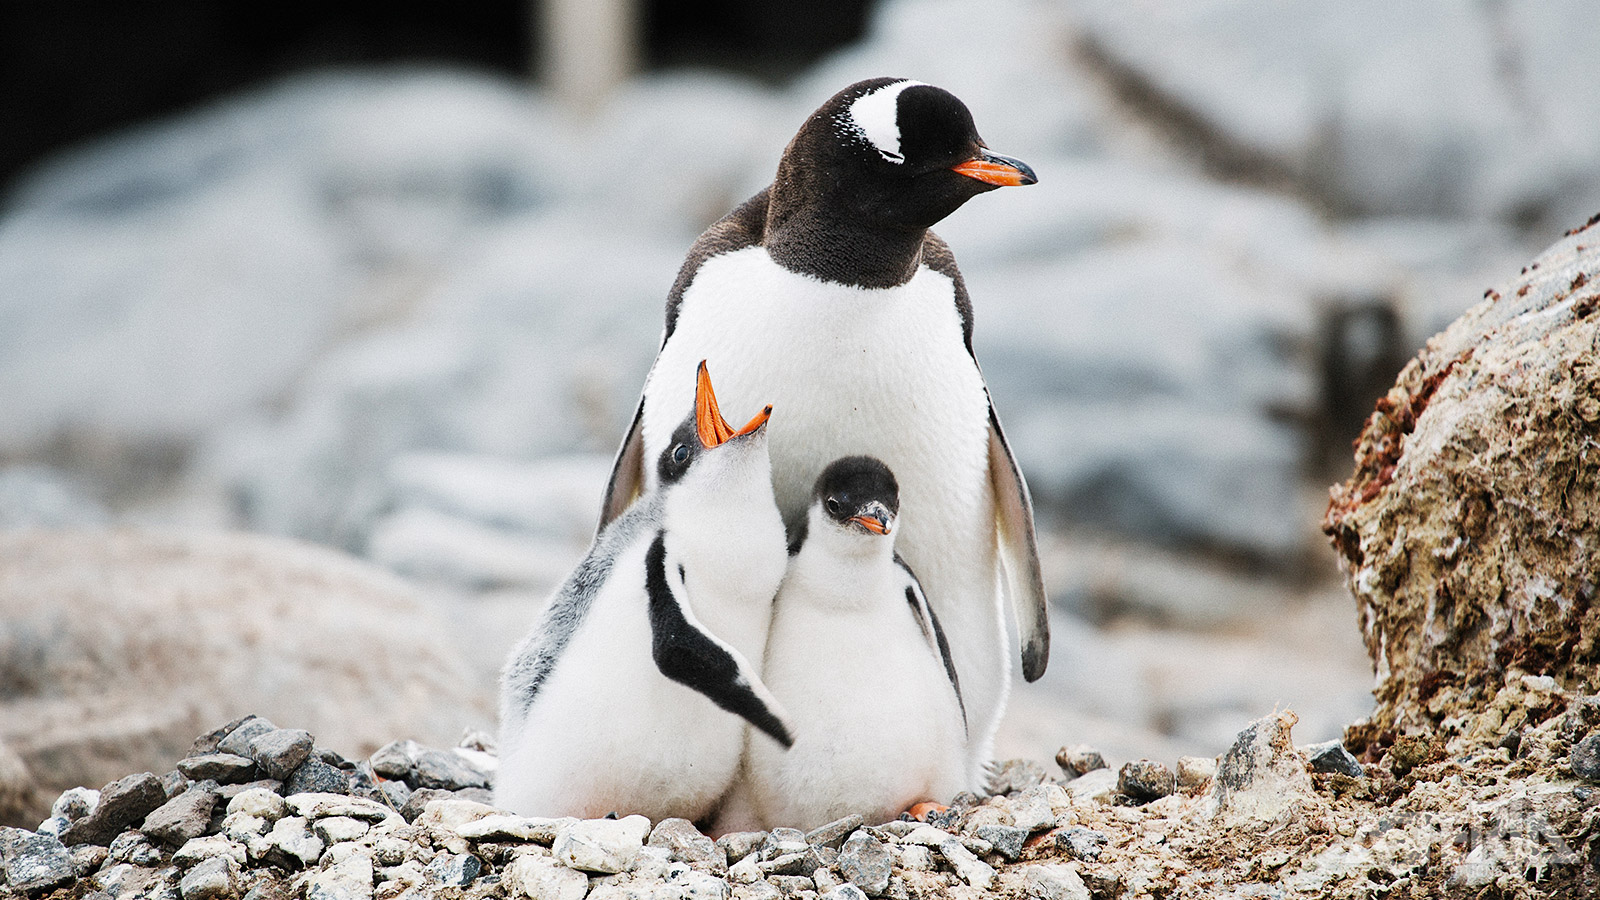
<point x="117" y="647"/>
<point x="1468" y="531"/>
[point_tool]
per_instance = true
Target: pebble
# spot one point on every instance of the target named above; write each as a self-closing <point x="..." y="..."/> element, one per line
<point x="968" y="866"/>
<point x="783" y="841"/>
<point x="788" y="864"/>
<point x="760" y="890"/>
<point x="736" y="845"/>
<point x="87" y="858"/>
<point x="834" y="833"/>
<point x="122" y="802"/>
<point x="1082" y="843"/>
<point x="1079" y="759"/>
<point x="134" y="847"/>
<point x="1097" y="784"/>
<point x="1195" y="773"/>
<point x="322" y="805"/>
<point x="223" y="768"/>
<point x="455" y="870"/>
<point x="33" y="862"/>
<point x="395" y="793"/>
<point x="1013" y="775"/>
<point x="348" y="880"/>
<point x="746" y="871"/>
<point x="259" y="802"/>
<point x="446" y="770"/>
<point x="291" y="843"/>
<point x="281" y="751"/>
<point x="1031" y="810"/>
<point x="686" y="843"/>
<point x="316" y="776"/>
<point x="514" y="828"/>
<point x="792" y="885"/>
<point x="914" y="857"/>
<point x="203" y="848"/>
<point x="1332" y="757"/>
<point x="237" y="741"/>
<point x="216" y="878"/>
<point x="1007" y="840"/>
<point x="75" y="803"/>
<point x="337" y="829"/>
<point x="540" y="878"/>
<point x="1144" y="780"/>
<point x="174" y="783"/>
<point x="1584" y="758"/>
<point x="229" y="791"/>
<point x="1053" y="881"/>
<point x="845" y="891"/>
<point x="185" y="816"/>
<point x="601" y="845"/>
<point x="864" y="861"/>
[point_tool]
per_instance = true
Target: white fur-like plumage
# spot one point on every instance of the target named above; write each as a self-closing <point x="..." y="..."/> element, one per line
<point x="878" y="724"/>
<point x="607" y="731"/>
<point x="878" y="372"/>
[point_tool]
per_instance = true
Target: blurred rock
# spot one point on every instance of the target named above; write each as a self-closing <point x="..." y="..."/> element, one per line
<point x="1262" y="781"/>
<point x="226" y="624"/>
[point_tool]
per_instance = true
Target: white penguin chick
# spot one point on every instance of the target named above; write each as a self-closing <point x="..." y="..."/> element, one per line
<point x="632" y="691"/>
<point x="857" y="657"/>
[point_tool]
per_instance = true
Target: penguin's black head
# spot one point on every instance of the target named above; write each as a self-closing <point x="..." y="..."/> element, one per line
<point x="859" y="493"/>
<point x="896" y="154"/>
<point x="703" y="430"/>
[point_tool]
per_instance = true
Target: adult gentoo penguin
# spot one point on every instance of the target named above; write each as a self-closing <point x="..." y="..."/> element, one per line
<point x="632" y="691"/>
<point x="858" y="659"/>
<point x="827" y="295"/>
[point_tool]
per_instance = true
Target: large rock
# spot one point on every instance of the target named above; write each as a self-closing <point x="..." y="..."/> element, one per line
<point x="1468" y="529"/>
<point x="121" y="646"/>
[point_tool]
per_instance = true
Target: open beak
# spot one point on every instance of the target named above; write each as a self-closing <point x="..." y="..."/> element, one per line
<point x="1000" y="171"/>
<point x="876" y="519"/>
<point x="708" y="422"/>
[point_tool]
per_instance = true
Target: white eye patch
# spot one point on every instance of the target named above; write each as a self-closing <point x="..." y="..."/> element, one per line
<point x="873" y="116"/>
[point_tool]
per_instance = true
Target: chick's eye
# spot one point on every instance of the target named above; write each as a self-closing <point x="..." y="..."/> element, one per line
<point x="680" y="453"/>
<point x="832" y="506"/>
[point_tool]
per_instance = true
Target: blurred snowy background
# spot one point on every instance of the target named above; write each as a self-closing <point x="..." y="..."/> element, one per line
<point x="405" y="309"/>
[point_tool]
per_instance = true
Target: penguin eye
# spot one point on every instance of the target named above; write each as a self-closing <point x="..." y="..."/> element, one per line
<point x="832" y="506"/>
<point x="680" y="453"/>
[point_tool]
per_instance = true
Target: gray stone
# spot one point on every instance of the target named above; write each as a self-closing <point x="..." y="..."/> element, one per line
<point x="606" y="846"/>
<point x="792" y="885"/>
<point x="968" y="866"/>
<point x="501" y="828"/>
<point x="207" y="743"/>
<point x="238" y="740"/>
<point x="122" y="802"/>
<point x="322" y="805"/>
<point x="783" y="841"/>
<point x="291" y="843"/>
<point x="1079" y="759"/>
<point x="33" y="862"/>
<point x="317" y="777"/>
<point x="686" y="843"/>
<point x="700" y="885"/>
<point x="395" y="793"/>
<point x="759" y="890"/>
<point x="216" y="878"/>
<point x="223" y="768"/>
<point x="1082" y="843"/>
<point x="746" y="871"/>
<point x="87" y="858"/>
<point x="736" y="845"/>
<point x="1053" y="881"/>
<point x="1013" y="775"/>
<point x="447" y="771"/>
<point x="184" y="816"/>
<point x="801" y="863"/>
<point x="396" y="759"/>
<point x="259" y="802"/>
<point x="834" y="833"/>
<point x="280" y="751"/>
<point x="134" y="847"/>
<point x="1031" y="810"/>
<point x="174" y="783"/>
<point x="203" y="848"/>
<point x="455" y="869"/>
<point x="1096" y="784"/>
<point x="1584" y="758"/>
<point x="1262" y="779"/>
<point x="845" y="891"/>
<point x="1333" y="758"/>
<point x="541" y="878"/>
<point x="75" y="803"/>
<point x="350" y="879"/>
<point x="230" y="791"/>
<point x="1144" y="780"/>
<point x="419" y="800"/>
<point x="338" y="829"/>
<point x="1196" y="772"/>
<point x="1006" y="840"/>
<point x="864" y="861"/>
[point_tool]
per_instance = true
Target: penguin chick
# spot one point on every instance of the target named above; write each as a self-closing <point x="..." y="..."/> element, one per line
<point x="632" y="691"/>
<point x="857" y="657"/>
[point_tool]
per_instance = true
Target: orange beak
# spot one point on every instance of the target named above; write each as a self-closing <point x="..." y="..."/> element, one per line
<point x="708" y="422"/>
<point x="871" y="523"/>
<point x="1000" y="171"/>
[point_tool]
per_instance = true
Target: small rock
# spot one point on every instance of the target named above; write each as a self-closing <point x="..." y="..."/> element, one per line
<point x="53" y="826"/>
<point x="348" y="880"/>
<point x="317" y="806"/>
<point x="419" y="800"/>
<point x="1053" y="881"/>
<point x="223" y="768"/>
<point x="845" y="891"/>
<point x="281" y="751"/>
<point x="1079" y="759"/>
<point x="1031" y="810"/>
<point x="601" y="845"/>
<point x="1096" y="784"/>
<point x="968" y="866"/>
<point x="214" y="879"/>
<point x="201" y="849"/>
<point x="33" y="862"/>
<point x="1006" y="839"/>
<point x="122" y="802"/>
<point x="337" y="829"/>
<point x="736" y="845"/>
<point x="396" y="759"/>
<point x="792" y="885"/>
<point x="1584" y="758"/>
<point x="913" y="857"/>
<point x="926" y="835"/>
<point x="1333" y="758"/>
<point x="1144" y="780"/>
<point x="788" y="864"/>
<point x="259" y="802"/>
<point x="899" y="827"/>
<point x="395" y="793"/>
<point x="834" y="833"/>
<point x="455" y="870"/>
<point x="541" y="878"/>
<point x="701" y="886"/>
<point x="782" y="842"/>
<point x="174" y="783"/>
<point x="1082" y="843"/>
<point x="237" y="741"/>
<point x="864" y="861"/>
<point x="686" y="843"/>
<point x="133" y="847"/>
<point x="500" y="828"/>
<point x="1013" y="775"/>
<point x="75" y="803"/>
<point x="746" y="871"/>
<point x="317" y="777"/>
<point x="760" y="890"/>
<point x="229" y="791"/>
<point x="184" y="816"/>
<point x="1196" y="772"/>
<point x="1262" y="779"/>
<point x="448" y="771"/>
<point x="450" y="814"/>
<point x="87" y="858"/>
<point x="207" y="743"/>
<point x="291" y="843"/>
<point x="825" y="880"/>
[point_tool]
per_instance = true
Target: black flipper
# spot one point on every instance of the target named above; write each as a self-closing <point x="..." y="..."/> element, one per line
<point x="688" y="654"/>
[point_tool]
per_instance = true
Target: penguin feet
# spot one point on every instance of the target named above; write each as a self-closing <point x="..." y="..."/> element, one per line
<point x="921" y="811"/>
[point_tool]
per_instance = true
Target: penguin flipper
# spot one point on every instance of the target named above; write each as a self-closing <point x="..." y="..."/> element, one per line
<point x="687" y="653"/>
<point x="1019" y="551"/>
<point x="627" y="472"/>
